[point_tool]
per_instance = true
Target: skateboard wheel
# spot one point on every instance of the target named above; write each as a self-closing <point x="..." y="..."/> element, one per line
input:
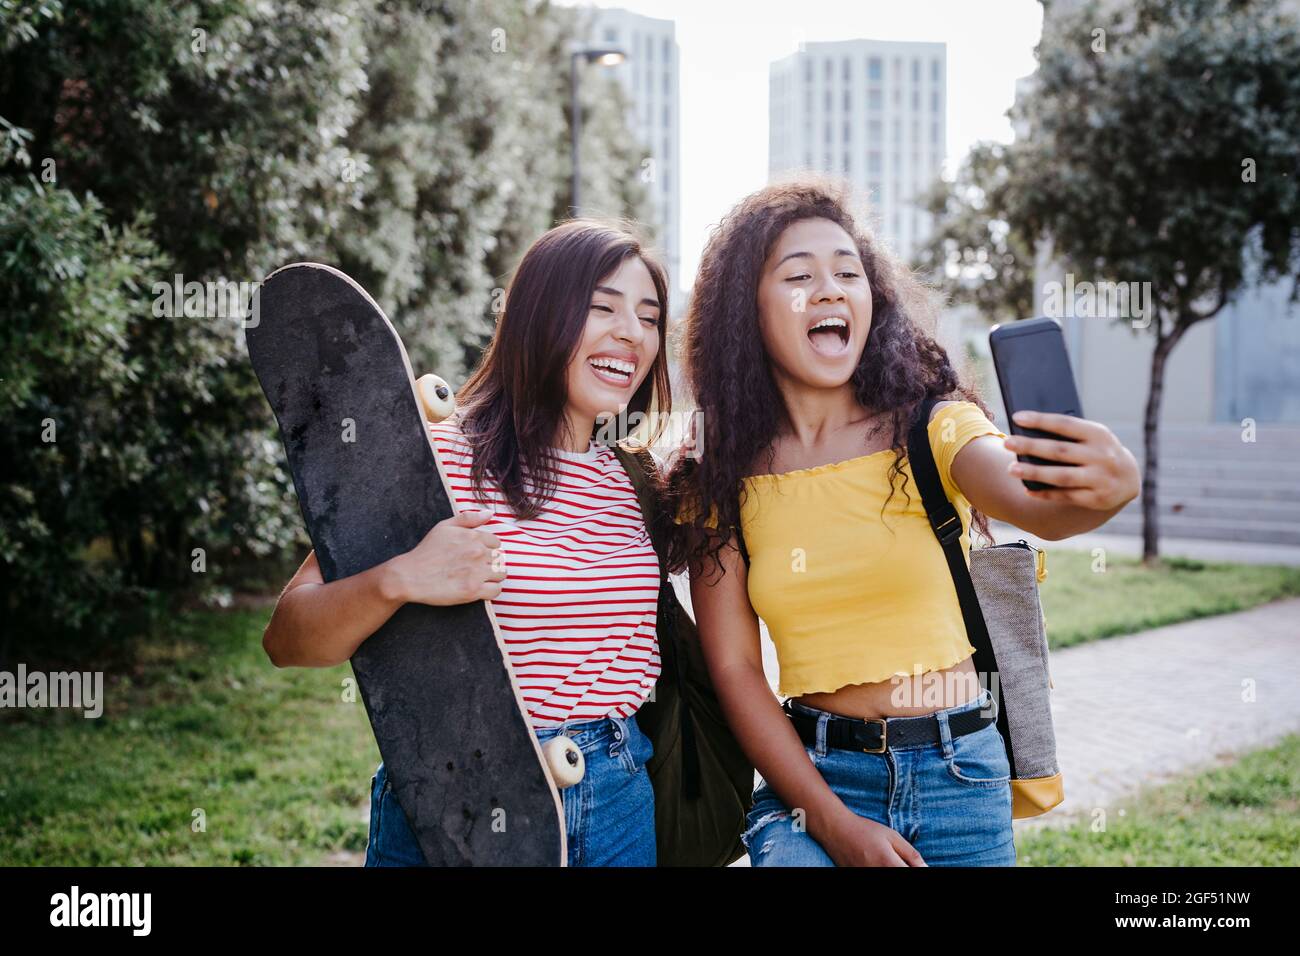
<point x="436" y="397"/>
<point x="564" y="760"/>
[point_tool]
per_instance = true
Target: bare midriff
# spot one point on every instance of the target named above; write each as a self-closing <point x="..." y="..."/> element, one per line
<point x="913" y="696"/>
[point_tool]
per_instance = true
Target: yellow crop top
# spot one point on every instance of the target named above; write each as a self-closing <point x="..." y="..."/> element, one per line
<point x="845" y="600"/>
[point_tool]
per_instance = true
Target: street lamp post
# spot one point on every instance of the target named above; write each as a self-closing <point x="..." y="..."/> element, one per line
<point x="607" y="57"/>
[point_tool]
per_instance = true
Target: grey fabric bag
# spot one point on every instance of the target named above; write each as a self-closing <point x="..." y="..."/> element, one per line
<point x="1000" y="604"/>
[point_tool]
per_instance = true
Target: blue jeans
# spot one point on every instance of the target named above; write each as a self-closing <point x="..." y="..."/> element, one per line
<point x="609" y="815"/>
<point x="951" y="800"/>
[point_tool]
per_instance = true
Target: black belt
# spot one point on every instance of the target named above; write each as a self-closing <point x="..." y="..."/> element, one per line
<point x="874" y="735"/>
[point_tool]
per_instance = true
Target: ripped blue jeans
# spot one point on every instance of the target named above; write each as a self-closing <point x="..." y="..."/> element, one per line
<point x="951" y="800"/>
<point x="609" y="815"/>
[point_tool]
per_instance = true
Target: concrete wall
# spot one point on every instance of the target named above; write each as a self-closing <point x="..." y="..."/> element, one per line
<point x="1112" y="365"/>
<point x="1112" y="360"/>
<point x="1257" y="342"/>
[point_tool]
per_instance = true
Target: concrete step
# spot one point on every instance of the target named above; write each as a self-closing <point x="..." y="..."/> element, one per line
<point x="1280" y="472"/>
<point x="1270" y="447"/>
<point x="1228" y="456"/>
<point x="1281" y="512"/>
<point x="1181" y="526"/>
<point x="1264" y="435"/>
<point x="1214" y="486"/>
<point x="1186" y="489"/>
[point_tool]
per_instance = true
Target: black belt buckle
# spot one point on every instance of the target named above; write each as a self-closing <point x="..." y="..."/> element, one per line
<point x="883" y="735"/>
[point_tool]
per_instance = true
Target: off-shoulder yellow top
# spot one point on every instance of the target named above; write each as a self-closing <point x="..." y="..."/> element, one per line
<point x="850" y="597"/>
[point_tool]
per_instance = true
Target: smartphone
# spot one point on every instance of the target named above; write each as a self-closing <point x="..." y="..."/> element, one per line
<point x="1034" y="374"/>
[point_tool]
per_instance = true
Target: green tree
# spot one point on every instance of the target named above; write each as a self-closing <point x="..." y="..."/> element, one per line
<point x="159" y="139"/>
<point x="465" y="132"/>
<point x="70" y="286"/>
<point x="1166" y="149"/>
<point x="421" y="146"/>
<point x="974" y="254"/>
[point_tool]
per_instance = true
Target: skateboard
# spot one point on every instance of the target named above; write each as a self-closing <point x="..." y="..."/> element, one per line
<point x="451" y="725"/>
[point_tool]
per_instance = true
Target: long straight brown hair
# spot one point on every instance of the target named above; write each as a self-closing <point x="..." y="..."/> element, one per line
<point x="513" y="403"/>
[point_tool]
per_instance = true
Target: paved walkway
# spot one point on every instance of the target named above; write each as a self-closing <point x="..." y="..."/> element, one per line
<point x="1140" y="709"/>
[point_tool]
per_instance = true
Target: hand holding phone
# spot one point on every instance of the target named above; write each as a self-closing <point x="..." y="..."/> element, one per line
<point x="1034" y="375"/>
<point x="1093" y="467"/>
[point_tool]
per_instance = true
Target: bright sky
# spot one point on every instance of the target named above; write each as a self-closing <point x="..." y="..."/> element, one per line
<point x="727" y="45"/>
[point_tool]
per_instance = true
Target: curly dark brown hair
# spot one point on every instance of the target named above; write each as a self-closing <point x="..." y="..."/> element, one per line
<point x="726" y="366"/>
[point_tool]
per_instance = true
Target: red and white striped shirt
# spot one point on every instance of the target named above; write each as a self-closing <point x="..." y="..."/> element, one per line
<point x="578" y="607"/>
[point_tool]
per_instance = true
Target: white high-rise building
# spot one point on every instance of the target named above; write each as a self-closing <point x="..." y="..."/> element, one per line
<point x="649" y="77"/>
<point x="870" y="111"/>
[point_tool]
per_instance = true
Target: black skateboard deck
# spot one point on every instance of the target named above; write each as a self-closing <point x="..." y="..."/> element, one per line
<point x="437" y="685"/>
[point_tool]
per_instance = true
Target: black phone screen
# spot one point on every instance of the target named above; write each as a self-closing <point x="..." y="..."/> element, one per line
<point x="1037" y="374"/>
<point x="1034" y="373"/>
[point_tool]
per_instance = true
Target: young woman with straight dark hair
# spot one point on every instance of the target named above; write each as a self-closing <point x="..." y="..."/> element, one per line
<point x="581" y="336"/>
<point x="808" y="366"/>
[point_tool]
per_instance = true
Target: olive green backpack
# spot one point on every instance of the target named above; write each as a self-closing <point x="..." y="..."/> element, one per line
<point x="703" y="782"/>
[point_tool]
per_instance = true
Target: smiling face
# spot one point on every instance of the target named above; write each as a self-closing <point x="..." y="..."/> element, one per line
<point x="617" y="349"/>
<point x="814" y="305"/>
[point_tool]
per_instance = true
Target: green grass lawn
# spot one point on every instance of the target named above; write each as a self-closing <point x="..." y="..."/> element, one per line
<point x="1080" y="604"/>
<point x="275" y="759"/>
<point x="280" y="764"/>
<point x="1243" y="814"/>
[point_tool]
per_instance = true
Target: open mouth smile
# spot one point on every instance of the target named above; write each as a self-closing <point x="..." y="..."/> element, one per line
<point x="612" y="371"/>
<point x="829" y="335"/>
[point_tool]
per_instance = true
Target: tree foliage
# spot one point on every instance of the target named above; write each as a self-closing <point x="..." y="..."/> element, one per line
<point x="1163" y="147"/>
<point x="419" y="146"/>
<point x="1171" y="156"/>
<point x="975" y="255"/>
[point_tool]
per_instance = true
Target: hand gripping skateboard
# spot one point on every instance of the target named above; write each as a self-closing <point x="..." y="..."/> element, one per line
<point x="451" y="725"/>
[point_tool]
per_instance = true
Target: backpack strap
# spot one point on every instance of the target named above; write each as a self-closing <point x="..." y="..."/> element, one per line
<point x="639" y="465"/>
<point x="947" y="527"/>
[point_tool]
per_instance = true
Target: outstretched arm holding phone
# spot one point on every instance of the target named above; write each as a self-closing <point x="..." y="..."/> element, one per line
<point x="1100" y="476"/>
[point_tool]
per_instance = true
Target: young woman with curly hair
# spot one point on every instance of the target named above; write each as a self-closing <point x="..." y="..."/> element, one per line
<point x="808" y="365"/>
